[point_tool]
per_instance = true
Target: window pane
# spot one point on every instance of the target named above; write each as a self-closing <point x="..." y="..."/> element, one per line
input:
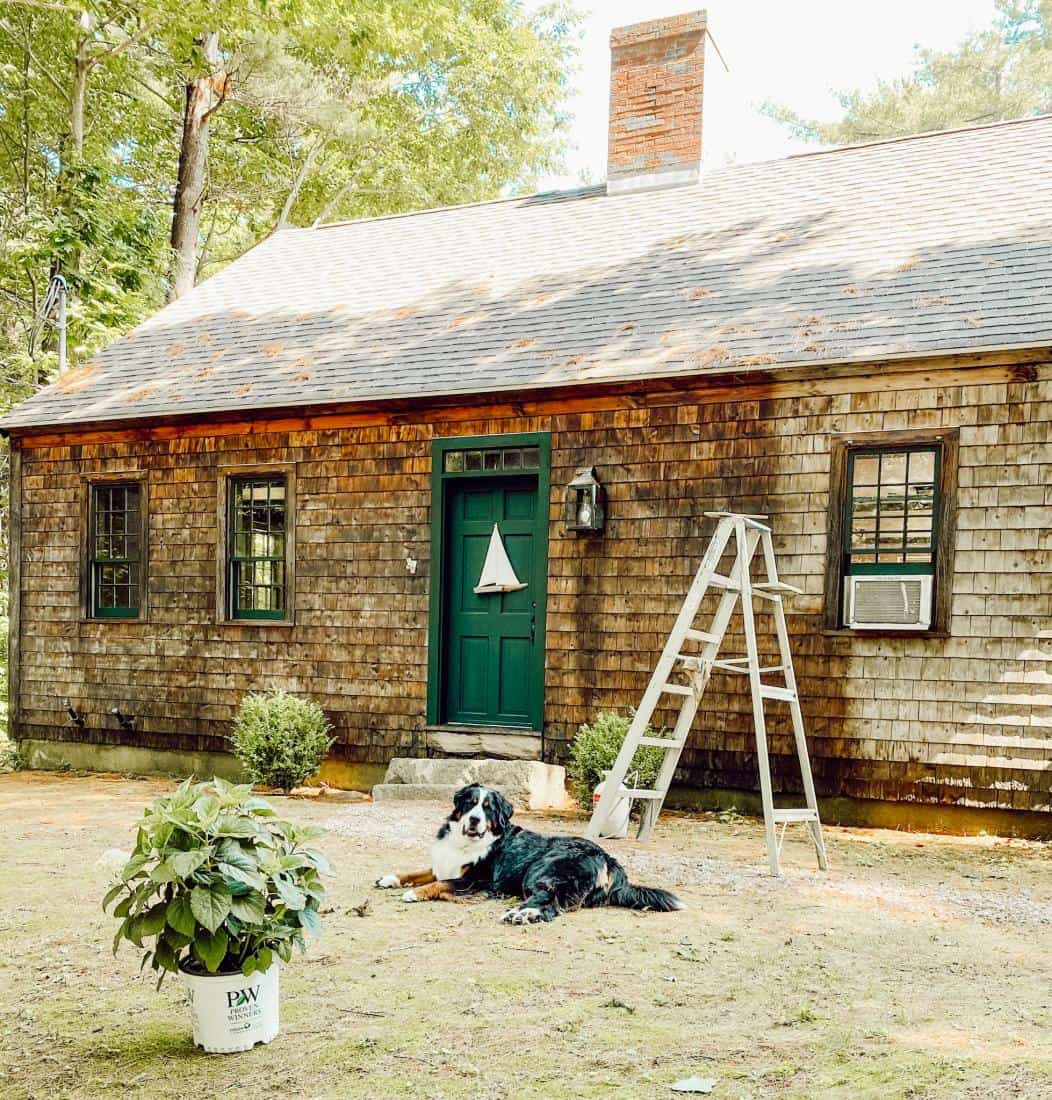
<point x="922" y="466"/>
<point x="473" y="460"/>
<point x="866" y="467"/>
<point x="454" y="462"/>
<point x="863" y="534"/>
<point x="512" y="459"/>
<point x="531" y="458"/>
<point x="893" y="468"/>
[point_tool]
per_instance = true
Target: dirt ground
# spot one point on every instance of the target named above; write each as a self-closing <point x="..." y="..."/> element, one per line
<point x="918" y="966"/>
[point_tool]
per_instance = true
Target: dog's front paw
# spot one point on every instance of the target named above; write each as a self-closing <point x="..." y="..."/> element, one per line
<point x="522" y="914"/>
<point x="388" y="882"/>
<point x="410" y="895"/>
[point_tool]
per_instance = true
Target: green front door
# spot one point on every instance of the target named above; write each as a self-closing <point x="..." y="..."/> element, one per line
<point x="492" y="671"/>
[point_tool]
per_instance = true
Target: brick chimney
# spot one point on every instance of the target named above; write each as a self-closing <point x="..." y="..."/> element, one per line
<point x="656" y="76"/>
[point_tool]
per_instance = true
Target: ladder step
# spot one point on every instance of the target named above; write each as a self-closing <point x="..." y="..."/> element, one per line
<point x="733" y="665"/>
<point x="721" y="581"/>
<point x="782" y="694"/>
<point x="788" y="816"/>
<point x="776" y="586"/>
<point x="702" y="636"/>
<point x="677" y="689"/>
<point x="642" y="793"/>
<point x="662" y="742"/>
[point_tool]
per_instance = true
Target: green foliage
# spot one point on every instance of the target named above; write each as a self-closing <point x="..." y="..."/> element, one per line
<point x="12" y="756"/>
<point x="1001" y="73"/>
<point x="594" y="750"/>
<point x="217" y="884"/>
<point x="280" y="739"/>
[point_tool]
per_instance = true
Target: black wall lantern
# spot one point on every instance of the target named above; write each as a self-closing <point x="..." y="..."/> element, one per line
<point x="585" y="506"/>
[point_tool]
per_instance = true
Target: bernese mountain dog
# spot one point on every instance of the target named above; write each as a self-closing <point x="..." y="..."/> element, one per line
<point x="477" y="849"/>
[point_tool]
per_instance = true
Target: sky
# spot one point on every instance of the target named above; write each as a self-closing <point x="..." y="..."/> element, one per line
<point x="797" y="53"/>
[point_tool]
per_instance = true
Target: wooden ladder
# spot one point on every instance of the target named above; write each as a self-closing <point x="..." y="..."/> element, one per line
<point x="747" y="534"/>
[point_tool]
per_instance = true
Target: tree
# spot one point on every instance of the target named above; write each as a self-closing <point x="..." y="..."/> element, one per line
<point x="1001" y="73"/>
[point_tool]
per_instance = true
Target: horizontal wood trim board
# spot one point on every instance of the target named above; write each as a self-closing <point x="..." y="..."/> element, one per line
<point x="640" y="395"/>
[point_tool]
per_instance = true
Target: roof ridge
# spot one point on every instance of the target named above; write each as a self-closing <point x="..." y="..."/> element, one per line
<point x="599" y="188"/>
<point x="584" y="189"/>
<point x="911" y="137"/>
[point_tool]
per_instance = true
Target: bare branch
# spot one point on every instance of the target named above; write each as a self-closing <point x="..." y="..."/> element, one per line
<point x="301" y="178"/>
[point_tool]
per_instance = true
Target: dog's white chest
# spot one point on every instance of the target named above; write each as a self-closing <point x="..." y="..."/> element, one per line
<point x="451" y="853"/>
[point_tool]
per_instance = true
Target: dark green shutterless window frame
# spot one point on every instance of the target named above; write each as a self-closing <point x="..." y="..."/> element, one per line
<point x="892" y="509"/>
<point x="257" y="547"/>
<point x="519" y="453"/>
<point x="116" y="549"/>
<point x="891" y="512"/>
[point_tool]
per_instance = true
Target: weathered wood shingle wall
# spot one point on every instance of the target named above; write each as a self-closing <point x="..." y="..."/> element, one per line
<point x="967" y="718"/>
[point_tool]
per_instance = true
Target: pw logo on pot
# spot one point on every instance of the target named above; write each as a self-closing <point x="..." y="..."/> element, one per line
<point x="237" y="998"/>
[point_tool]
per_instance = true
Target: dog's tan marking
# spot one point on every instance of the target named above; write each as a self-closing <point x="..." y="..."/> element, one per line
<point x="602" y="879"/>
<point x="435" y="891"/>
<point x="416" y="878"/>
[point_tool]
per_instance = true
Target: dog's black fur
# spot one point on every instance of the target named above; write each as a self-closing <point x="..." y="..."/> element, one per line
<point x="551" y="874"/>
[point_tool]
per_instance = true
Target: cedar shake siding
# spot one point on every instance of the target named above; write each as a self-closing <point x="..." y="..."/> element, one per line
<point x="962" y="718"/>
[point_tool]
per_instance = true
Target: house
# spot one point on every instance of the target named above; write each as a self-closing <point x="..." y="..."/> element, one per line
<point x="292" y="475"/>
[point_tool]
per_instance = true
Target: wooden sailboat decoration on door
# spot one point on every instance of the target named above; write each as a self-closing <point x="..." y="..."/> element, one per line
<point x="498" y="574"/>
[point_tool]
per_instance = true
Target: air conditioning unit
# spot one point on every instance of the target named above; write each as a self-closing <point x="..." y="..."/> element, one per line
<point x="888" y="601"/>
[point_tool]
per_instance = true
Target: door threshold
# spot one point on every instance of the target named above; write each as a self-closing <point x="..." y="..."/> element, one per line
<point x="499" y="742"/>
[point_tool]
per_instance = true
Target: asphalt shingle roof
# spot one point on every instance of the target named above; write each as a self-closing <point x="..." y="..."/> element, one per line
<point x="922" y="246"/>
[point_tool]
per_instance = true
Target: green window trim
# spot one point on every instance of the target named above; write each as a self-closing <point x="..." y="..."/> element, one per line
<point x="257" y="547"/>
<point x="901" y="488"/>
<point x="115" y="550"/>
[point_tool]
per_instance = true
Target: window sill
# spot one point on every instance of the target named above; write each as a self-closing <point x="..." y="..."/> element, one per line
<point x="256" y="623"/>
<point x="846" y="632"/>
<point x="114" y="619"/>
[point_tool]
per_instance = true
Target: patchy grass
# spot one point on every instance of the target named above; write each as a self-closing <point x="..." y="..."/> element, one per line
<point x="917" y="967"/>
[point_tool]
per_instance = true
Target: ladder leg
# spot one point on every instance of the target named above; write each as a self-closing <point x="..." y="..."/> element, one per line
<point x="681" y="730"/>
<point x="766" y="794"/>
<point x="799" y="736"/>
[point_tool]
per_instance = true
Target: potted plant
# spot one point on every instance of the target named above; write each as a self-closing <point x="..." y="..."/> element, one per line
<point x="592" y="754"/>
<point x="221" y="890"/>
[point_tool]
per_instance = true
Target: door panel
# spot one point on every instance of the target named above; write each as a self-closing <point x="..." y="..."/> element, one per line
<point x="490" y="641"/>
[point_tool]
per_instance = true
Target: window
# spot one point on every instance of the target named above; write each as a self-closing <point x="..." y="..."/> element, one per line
<point x="889" y="525"/>
<point x="257" y="530"/>
<point x="492" y="458"/>
<point x="115" y="555"/>
<point x="891" y="531"/>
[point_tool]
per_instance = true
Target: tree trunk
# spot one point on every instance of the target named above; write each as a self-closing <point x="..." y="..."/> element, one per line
<point x="78" y="95"/>
<point x="202" y="97"/>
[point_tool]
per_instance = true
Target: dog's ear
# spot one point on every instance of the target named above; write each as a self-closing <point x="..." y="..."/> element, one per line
<point x="463" y="798"/>
<point x="503" y="809"/>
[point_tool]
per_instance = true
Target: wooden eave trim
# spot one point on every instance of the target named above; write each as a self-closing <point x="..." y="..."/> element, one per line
<point x="711" y="388"/>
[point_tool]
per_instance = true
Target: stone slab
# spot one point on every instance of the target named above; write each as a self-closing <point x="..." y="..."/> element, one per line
<point x="529" y="784"/>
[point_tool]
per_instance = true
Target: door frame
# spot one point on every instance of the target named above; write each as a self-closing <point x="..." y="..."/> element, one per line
<point x="436" y="623"/>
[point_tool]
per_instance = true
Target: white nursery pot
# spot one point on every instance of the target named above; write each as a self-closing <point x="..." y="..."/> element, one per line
<point x="616" y="822"/>
<point x="233" y="1012"/>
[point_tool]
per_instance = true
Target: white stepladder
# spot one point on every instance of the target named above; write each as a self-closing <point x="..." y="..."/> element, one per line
<point x="744" y="535"/>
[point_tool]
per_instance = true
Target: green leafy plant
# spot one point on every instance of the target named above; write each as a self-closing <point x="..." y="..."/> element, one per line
<point x="280" y="739"/>
<point x="217" y="884"/>
<point x="594" y="750"/>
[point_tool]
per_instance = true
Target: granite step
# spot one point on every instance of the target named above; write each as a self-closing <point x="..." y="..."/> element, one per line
<point x="415" y="792"/>
<point x="529" y="784"/>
